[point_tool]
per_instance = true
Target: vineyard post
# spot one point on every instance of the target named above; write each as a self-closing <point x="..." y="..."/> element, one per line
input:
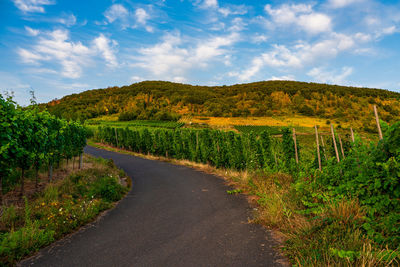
<point x="377" y="123"/>
<point x="319" y="156"/>
<point x="116" y="136"/>
<point x="50" y="172"/>
<point x="22" y="181"/>
<point x="197" y="140"/>
<point x="80" y="160"/>
<point x="352" y="134"/>
<point x="36" y="175"/>
<point x="334" y="144"/>
<point x="341" y="146"/>
<point x="323" y="147"/>
<point x="1" y="189"/>
<point x="295" y="145"/>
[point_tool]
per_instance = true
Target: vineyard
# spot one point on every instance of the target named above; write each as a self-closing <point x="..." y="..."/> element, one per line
<point x="273" y="130"/>
<point x="33" y="139"/>
<point x="362" y="179"/>
<point x="138" y="123"/>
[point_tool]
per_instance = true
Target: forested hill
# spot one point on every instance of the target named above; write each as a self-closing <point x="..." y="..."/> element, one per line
<point x="147" y="99"/>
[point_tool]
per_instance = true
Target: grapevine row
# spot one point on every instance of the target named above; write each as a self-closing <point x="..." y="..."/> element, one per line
<point x="30" y="138"/>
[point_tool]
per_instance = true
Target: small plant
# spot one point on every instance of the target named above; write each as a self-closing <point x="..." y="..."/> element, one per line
<point x="234" y="191"/>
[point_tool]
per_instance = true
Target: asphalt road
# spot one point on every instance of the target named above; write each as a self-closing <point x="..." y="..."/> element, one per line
<point x="173" y="216"/>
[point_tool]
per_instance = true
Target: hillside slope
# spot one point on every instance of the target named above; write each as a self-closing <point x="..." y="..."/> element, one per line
<point x="152" y="99"/>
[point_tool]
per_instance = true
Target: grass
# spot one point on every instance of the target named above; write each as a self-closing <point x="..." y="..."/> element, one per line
<point x="297" y="121"/>
<point x="332" y="236"/>
<point x="59" y="208"/>
<point x="136" y="123"/>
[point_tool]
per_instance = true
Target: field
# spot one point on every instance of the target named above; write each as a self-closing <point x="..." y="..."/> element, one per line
<point x="296" y="121"/>
<point x="134" y="124"/>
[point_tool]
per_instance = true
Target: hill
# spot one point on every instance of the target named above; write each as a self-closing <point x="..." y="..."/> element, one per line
<point x="167" y="101"/>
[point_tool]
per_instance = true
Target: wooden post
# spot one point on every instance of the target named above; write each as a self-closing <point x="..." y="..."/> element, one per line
<point x="197" y="140"/>
<point x="341" y="146"/>
<point x="22" y="181"/>
<point x="319" y="156"/>
<point x="377" y="123"/>
<point x="50" y="172"/>
<point x="323" y="147"/>
<point x="352" y="134"/>
<point x="334" y="144"/>
<point x="295" y="146"/>
<point x="1" y="190"/>
<point x="116" y="136"/>
<point x="81" y="161"/>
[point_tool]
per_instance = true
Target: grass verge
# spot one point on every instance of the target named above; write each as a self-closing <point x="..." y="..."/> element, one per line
<point x="330" y="236"/>
<point x="59" y="208"/>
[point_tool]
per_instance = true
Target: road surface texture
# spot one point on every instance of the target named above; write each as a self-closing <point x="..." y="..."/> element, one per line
<point x="173" y="216"/>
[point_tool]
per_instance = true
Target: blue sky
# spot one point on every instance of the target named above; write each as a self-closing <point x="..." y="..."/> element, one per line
<point x="60" y="47"/>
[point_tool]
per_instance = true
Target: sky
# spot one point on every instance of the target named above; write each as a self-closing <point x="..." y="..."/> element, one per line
<point x="60" y="47"/>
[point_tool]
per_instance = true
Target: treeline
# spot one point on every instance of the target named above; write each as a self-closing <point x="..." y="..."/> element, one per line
<point x="151" y="99"/>
<point x="32" y="139"/>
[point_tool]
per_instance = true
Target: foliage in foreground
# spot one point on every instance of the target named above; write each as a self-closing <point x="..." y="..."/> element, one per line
<point x="30" y="138"/>
<point x="58" y="210"/>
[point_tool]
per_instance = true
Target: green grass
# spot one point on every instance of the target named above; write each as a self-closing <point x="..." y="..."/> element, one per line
<point x="137" y="123"/>
<point x="273" y="130"/>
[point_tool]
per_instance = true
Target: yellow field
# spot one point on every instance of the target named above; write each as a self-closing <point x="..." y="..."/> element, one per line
<point x="299" y="121"/>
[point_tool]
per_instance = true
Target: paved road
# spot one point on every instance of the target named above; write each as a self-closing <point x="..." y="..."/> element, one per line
<point x="173" y="216"/>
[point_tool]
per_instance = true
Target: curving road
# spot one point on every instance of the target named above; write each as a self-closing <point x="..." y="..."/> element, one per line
<point x="173" y="216"/>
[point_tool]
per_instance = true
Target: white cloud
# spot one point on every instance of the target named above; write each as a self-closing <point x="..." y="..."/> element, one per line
<point x="31" y="32"/>
<point x="106" y="48"/>
<point x="173" y="58"/>
<point x="303" y="54"/>
<point x="233" y="10"/>
<point x="259" y="38"/>
<point x="116" y="12"/>
<point x="388" y="31"/>
<point x="321" y="75"/>
<point x="210" y="4"/>
<point x="136" y="79"/>
<point x="139" y="17"/>
<point x="68" y="21"/>
<point x="255" y="67"/>
<point x="342" y="3"/>
<point x="179" y="79"/>
<point x="56" y="48"/>
<point x="29" y="57"/>
<point x="300" y="15"/>
<point x="315" y="23"/>
<point x="282" y="78"/>
<point x="142" y="16"/>
<point x="31" y="6"/>
<point x="237" y="25"/>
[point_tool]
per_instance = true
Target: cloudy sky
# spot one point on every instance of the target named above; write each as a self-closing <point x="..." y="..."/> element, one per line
<point x="59" y="47"/>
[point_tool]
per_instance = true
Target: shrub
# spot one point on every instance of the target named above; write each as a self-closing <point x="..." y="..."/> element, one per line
<point x="107" y="188"/>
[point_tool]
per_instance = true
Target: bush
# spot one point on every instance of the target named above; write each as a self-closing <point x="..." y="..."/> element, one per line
<point x="107" y="188"/>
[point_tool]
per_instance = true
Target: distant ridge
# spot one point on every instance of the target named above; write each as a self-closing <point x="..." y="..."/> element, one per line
<point x="265" y="98"/>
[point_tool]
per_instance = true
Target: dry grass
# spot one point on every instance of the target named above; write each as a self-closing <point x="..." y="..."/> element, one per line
<point x="301" y="121"/>
<point x="346" y="212"/>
